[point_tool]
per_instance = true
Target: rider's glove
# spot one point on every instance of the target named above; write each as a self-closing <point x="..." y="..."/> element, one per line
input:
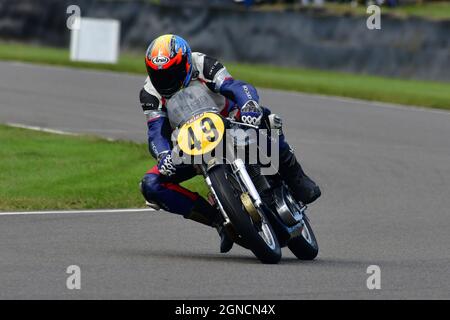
<point x="165" y="164"/>
<point x="251" y="113"/>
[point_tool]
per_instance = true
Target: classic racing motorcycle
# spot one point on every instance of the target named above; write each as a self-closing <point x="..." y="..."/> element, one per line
<point x="259" y="212"/>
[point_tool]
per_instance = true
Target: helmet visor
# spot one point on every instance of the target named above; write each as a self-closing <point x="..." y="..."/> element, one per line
<point x="168" y="81"/>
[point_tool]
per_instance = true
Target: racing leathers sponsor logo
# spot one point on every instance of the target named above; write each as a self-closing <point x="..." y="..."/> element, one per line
<point x="247" y="92"/>
<point x="213" y="69"/>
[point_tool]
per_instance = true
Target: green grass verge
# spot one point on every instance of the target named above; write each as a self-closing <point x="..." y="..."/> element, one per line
<point x="433" y="11"/>
<point x="46" y="171"/>
<point x="409" y="92"/>
<point x="427" y="10"/>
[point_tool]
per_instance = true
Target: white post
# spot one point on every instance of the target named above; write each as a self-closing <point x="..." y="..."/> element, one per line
<point x="97" y="40"/>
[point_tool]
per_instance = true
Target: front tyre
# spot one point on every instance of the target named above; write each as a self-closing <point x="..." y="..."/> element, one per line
<point x="305" y="246"/>
<point x="261" y="239"/>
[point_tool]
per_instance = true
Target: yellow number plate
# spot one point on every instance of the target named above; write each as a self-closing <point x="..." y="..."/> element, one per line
<point x="201" y="134"/>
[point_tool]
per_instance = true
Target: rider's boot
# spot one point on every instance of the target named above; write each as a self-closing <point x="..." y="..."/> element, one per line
<point x="206" y="214"/>
<point x="302" y="187"/>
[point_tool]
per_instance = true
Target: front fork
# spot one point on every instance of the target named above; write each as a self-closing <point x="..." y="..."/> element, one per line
<point x="204" y="170"/>
<point x="238" y="167"/>
<point x="219" y="204"/>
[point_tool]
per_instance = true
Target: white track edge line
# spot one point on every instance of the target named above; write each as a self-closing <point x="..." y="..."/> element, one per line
<point x="43" y="129"/>
<point x="12" y="213"/>
<point x="54" y="131"/>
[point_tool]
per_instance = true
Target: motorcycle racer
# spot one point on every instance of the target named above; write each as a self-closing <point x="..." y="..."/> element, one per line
<point x="172" y="66"/>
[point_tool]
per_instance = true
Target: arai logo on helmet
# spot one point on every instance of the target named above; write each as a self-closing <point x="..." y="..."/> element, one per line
<point x="160" y="60"/>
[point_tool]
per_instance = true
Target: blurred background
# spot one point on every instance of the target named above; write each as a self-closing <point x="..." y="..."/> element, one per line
<point x="310" y="46"/>
<point x="413" y="41"/>
<point x="313" y="46"/>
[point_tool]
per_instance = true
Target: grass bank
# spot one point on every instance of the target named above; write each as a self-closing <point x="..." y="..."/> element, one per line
<point x="409" y="92"/>
<point x="426" y="10"/>
<point x="46" y="171"/>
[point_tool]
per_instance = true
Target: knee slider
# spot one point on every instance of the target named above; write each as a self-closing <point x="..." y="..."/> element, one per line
<point x="150" y="187"/>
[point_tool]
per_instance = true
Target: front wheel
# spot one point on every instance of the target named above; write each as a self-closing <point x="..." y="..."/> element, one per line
<point x="305" y="246"/>
<point x="259" y="237"/>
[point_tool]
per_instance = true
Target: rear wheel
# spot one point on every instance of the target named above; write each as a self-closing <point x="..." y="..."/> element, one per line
<point x="305" y="246"/>
<point x="258" y="236"/>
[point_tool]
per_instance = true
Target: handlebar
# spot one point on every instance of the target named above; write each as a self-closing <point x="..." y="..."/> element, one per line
<point x="242" y="124"/>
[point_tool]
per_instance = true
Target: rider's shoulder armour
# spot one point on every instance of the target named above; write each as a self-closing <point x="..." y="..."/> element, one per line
<point x="151" y="101"/>
<point x="209" y="70"/>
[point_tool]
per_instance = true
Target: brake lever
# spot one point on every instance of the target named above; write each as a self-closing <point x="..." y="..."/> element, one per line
<point x="242" y="124"/>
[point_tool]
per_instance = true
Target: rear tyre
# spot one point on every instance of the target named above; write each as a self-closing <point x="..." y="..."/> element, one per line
<point x="263" y="243"/>
<point x="305" y="246"/>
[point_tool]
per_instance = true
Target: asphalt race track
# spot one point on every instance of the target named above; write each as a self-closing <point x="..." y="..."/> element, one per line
<point x="384" y="172"/>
